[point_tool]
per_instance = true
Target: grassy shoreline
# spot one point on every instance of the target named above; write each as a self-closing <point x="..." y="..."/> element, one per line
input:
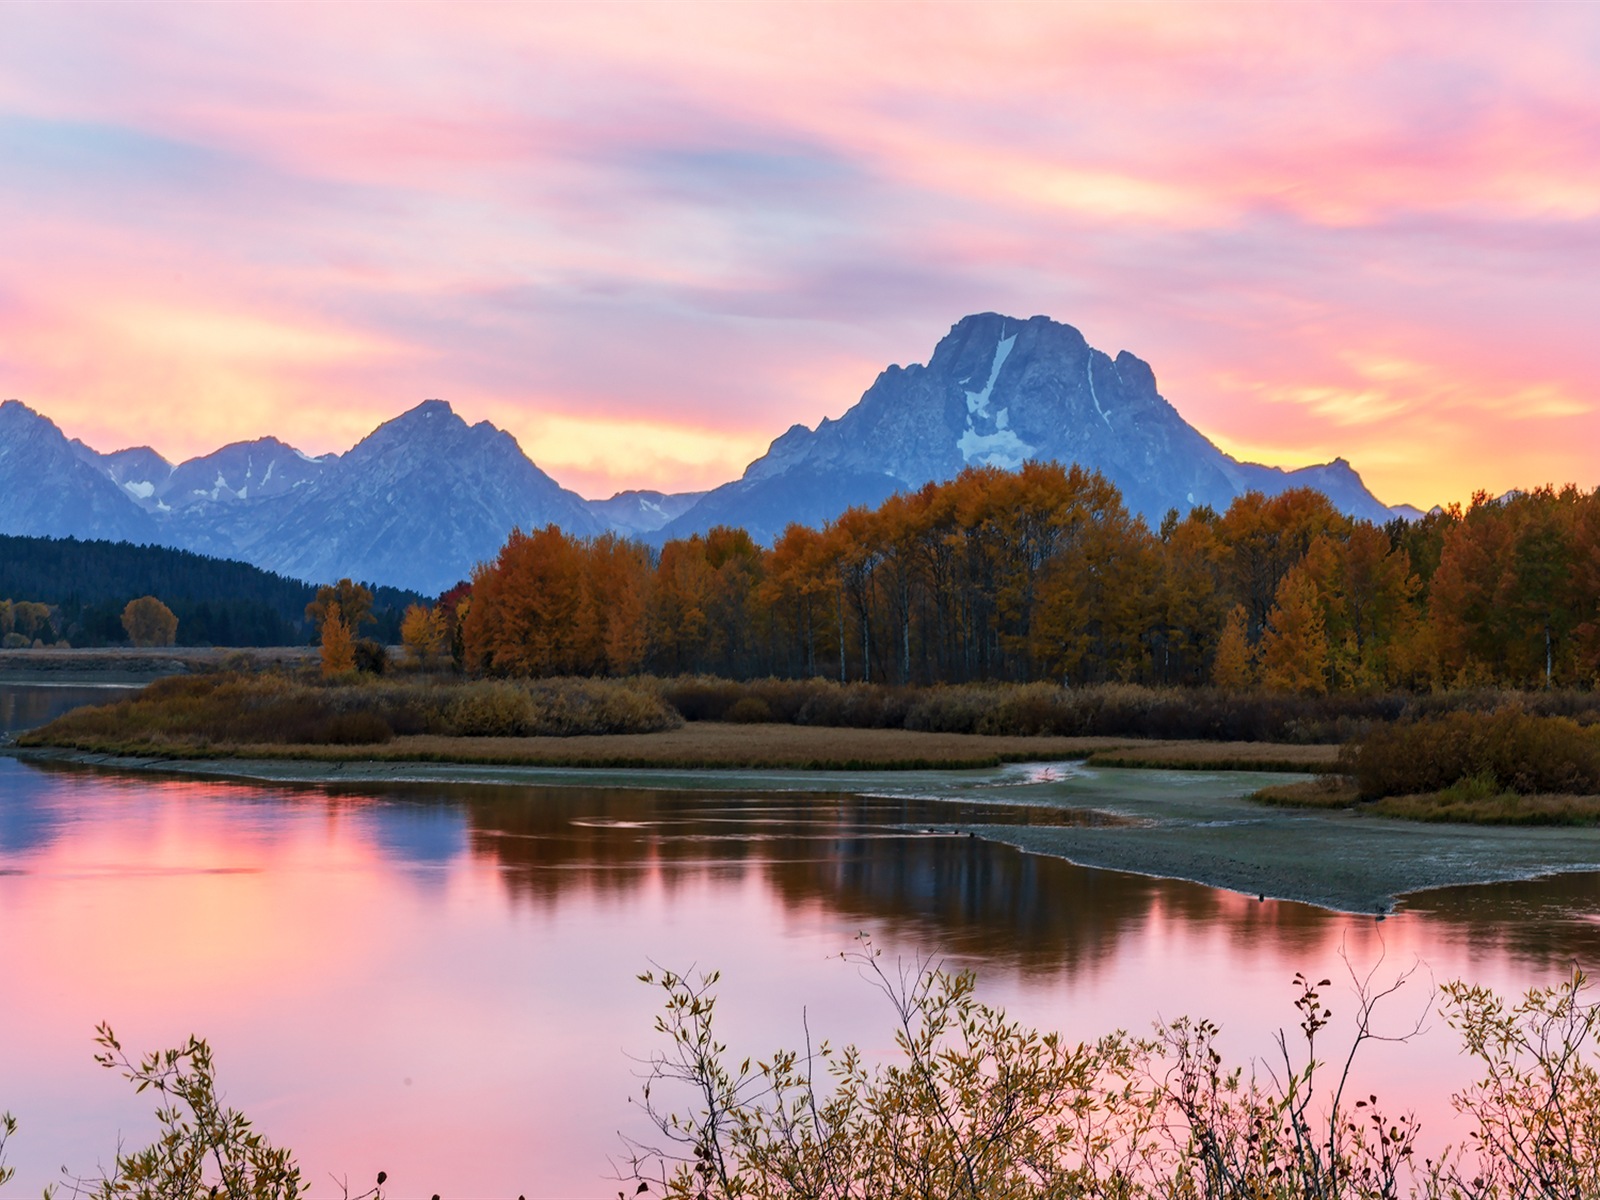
<point x="228" y="708"/>
<point x="709" y="745"/>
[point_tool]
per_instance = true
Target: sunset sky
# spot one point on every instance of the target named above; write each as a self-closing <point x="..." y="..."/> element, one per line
<point x="648" y="238"/>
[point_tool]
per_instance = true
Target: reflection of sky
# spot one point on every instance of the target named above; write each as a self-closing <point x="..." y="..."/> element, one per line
<point x="24" y="705"/>
<point x="379" y="999"/>
<point x="418" y="836"/>
<point x="648" y="238"/>
<point x="28" y="818"/>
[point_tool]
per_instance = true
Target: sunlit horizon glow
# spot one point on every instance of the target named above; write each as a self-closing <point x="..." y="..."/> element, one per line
<point x="647" y="239"/>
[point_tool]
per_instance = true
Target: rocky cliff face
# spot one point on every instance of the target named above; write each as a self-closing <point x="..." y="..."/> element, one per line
<point x="997" y="392"/>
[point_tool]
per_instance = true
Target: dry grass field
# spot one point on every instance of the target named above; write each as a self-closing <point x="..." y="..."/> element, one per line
<point x="1187" y="755"/>
<point x="703" y="744"/>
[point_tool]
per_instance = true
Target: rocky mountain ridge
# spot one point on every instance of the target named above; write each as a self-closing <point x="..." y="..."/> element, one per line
<point x="426" y="496"/>
<point x="997" y="391"/>
<point x="414" y="504"/>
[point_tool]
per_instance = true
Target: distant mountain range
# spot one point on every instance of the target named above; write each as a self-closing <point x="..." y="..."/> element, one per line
<point x="425" y="496"/>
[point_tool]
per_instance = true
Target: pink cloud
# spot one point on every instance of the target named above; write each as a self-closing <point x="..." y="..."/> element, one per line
<point x="224" y="222"/>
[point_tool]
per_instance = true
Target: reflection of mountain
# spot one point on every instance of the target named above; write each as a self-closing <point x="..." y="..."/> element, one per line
<point x="419" y="834"/>
<point x="28" y="820"/>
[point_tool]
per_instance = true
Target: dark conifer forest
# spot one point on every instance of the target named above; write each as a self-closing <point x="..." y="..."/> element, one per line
<point x="218" y="602"/>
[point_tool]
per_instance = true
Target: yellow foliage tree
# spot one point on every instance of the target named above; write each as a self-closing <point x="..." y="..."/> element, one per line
<point x="422" y="632"/>
<point x="1294" y="648"/>
<point x="338" y="646"/>
<point x="149" y="622"/>
<point x="1235" y="664"/>
<point x="353" y="601"/>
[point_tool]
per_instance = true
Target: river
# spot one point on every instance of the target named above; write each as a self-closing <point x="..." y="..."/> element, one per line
<point x="438" y="980"/>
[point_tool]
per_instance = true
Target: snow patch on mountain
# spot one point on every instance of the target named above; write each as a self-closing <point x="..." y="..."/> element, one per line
<point x="1000" y="447"/>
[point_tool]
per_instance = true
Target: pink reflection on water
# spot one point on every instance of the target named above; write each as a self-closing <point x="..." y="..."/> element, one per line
<point x="442" y="985"/>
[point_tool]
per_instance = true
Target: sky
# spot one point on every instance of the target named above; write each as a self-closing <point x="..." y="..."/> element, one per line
<point x="648" y="238"/>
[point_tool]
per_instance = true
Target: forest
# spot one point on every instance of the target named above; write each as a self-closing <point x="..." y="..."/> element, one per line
<point x="66" y="589"/>
<point x="1042" y="574"/>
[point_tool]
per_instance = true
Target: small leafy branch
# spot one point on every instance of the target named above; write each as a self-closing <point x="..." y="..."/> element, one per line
<point x="977" y="1106"/>
<point x="8" y="1127"/>
<point x="204" y="1149"/>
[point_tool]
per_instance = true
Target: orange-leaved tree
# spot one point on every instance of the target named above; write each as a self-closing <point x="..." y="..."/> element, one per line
<point x="338" y="644"/>
<point x="149" y="622"/>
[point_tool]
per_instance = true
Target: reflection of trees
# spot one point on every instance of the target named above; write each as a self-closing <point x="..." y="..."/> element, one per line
<point x="1551" y="920"/>
<point x="27" y="707"/>
<point x="879" y="861"/>
<point x="898" y="863"/>
<point x="885" y="862"/>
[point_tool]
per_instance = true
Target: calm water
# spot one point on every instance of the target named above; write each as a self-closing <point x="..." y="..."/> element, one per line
<point x="439" y="981"/>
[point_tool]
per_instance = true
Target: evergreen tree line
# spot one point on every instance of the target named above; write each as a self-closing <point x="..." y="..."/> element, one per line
<point x="218" y="602"/>
<point x="1042" y="574"/>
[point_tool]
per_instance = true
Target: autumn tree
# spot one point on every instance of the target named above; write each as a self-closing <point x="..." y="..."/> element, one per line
<point x="354" y="602"/>
<point x="1094" y="587"/>
<point x="1262" y="537"/>
<point x="736" y="565"/>
<point x="528" y="614"/>
<point x="681" y="603"/>
<point x="31" y="619"/>
<point x="422" y="632"/>
<point x="1234" y="666"/>
<point x="797" y="595"/>
<point x="1189" y="600"/>
<point x="338" y="644"/>
<point x="149" y="622"/>
<point x="1368" y="596"/>
<point x="1294" y="648"/>
<point x="856" y="551"/>
<point x="618" y="585"/>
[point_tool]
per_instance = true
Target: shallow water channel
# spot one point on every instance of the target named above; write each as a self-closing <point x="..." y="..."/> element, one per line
<point x="437" y="979"/>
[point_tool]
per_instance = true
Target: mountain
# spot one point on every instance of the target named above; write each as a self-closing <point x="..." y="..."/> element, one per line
<point x="424" y="497"/>
<point x="635" y="513"/>
<point x="415" y="504"/>
<point x="998" y="391"/>
<point x="48" y="489"/>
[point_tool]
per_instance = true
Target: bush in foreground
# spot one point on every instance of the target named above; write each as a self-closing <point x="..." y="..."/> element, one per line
<point x="980" y="1107"/>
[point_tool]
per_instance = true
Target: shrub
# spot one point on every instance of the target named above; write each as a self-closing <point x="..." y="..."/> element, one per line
<point x="371" y="656"/>
<point x="491" y="708"/>
<point x="355" y="729"/>
<point x="979" y="1106"/>
<point x="749" y="710"/>
<point x="1508" y="750"/>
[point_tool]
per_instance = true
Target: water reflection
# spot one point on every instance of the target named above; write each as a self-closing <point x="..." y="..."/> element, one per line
<point x="29" y="705"/>
<point x="435" y="979"/>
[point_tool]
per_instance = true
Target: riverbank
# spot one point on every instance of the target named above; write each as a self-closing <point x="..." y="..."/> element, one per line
<point x="138" y="665"/>
<point x="713" y="745"/>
